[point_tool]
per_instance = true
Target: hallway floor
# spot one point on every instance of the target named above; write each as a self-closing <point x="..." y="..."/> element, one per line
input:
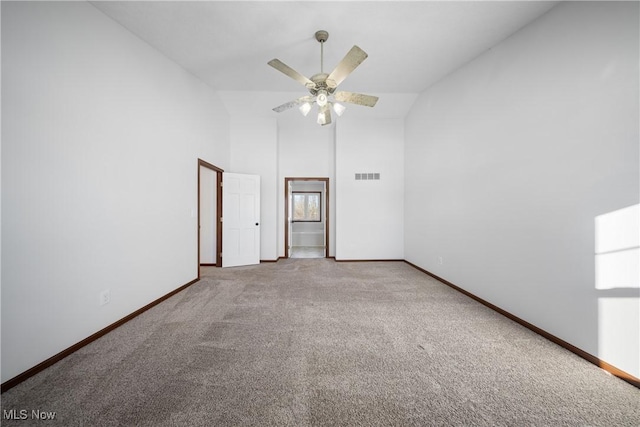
<point x="306" y="252"/>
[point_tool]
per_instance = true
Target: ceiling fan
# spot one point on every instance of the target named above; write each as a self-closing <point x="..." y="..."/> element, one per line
<point x="322" y="86"/>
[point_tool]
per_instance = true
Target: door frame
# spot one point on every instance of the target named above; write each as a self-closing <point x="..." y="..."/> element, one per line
<point x="286" y="212"/>
<point x="218" y="171"/>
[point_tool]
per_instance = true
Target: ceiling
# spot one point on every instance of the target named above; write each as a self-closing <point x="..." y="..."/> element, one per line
<point x="411" y="45"/>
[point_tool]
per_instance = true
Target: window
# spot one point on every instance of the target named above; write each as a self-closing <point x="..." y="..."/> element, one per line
<point x="307" y="206"/>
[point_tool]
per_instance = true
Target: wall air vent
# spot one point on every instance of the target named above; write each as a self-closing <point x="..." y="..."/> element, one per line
<point x="367" y="176"/>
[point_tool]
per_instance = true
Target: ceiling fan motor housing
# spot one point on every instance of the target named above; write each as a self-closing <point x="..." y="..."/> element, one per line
<point x="322" y="83"/>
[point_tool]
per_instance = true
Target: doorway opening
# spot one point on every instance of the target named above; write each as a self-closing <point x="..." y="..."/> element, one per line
<point x="306" y="230"/>
<point x="209" y="215"/>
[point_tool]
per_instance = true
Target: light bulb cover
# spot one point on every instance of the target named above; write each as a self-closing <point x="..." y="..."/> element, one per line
<point x="322" y="120"/>
<point x="322" y="98"/>
<point x="305" y="108"/>
<point x="324" y="115"/>
<point x="338" y="108"/>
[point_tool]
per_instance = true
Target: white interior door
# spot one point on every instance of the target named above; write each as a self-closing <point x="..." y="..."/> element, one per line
<point x="240" y="219"/>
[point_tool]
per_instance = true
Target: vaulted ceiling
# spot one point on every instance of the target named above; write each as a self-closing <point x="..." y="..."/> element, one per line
<point x="411" y="45"/>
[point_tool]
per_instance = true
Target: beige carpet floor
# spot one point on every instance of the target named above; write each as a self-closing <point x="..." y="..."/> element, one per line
<point x="313" y="342"/>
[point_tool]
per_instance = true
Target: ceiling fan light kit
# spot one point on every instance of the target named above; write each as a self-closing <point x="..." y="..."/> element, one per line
<point x="305" y="108"/>
<point x="322" y="86"/>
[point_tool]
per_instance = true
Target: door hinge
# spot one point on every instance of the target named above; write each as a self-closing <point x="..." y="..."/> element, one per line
<point x="221" y="183"/>
<point x="220" y="254"/>
<point x="220" y="219"/>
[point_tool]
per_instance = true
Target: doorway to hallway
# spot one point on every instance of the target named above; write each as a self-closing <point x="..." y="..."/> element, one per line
<point x="209" y="214"/>
<point x="306" y="217"/>
<point x="239" y="236"/>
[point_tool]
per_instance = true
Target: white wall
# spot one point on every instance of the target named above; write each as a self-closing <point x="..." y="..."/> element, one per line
<point x="1" y="174"/>
<point x="305" y="149"/>
<point x="275" y="148"/>
<point x="100" y="140"/>
<point x="510" y="160"/>
<point x="254" y="151"/>
<point x="370" y="213"/>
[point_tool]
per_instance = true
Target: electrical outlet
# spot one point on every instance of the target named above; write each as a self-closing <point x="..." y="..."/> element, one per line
<point x="105" y="297"/>
<point x="440" y="260"/>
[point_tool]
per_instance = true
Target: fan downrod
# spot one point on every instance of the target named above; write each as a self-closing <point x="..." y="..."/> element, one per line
<point x="322" y="36"/>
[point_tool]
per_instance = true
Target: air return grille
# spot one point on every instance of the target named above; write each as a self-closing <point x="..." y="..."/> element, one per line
<point x="367" y="176"/>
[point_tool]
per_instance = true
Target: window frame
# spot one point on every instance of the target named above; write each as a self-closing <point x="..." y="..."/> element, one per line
<point x="317" y="194"/>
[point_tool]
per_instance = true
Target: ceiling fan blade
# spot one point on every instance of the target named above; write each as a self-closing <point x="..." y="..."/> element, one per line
<point x="293" y="103"/>
<point x="324" y="116"/>
<point x="349" y="63"/>
<point x="356" y="98"/>
<point x="285" y="69"/>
